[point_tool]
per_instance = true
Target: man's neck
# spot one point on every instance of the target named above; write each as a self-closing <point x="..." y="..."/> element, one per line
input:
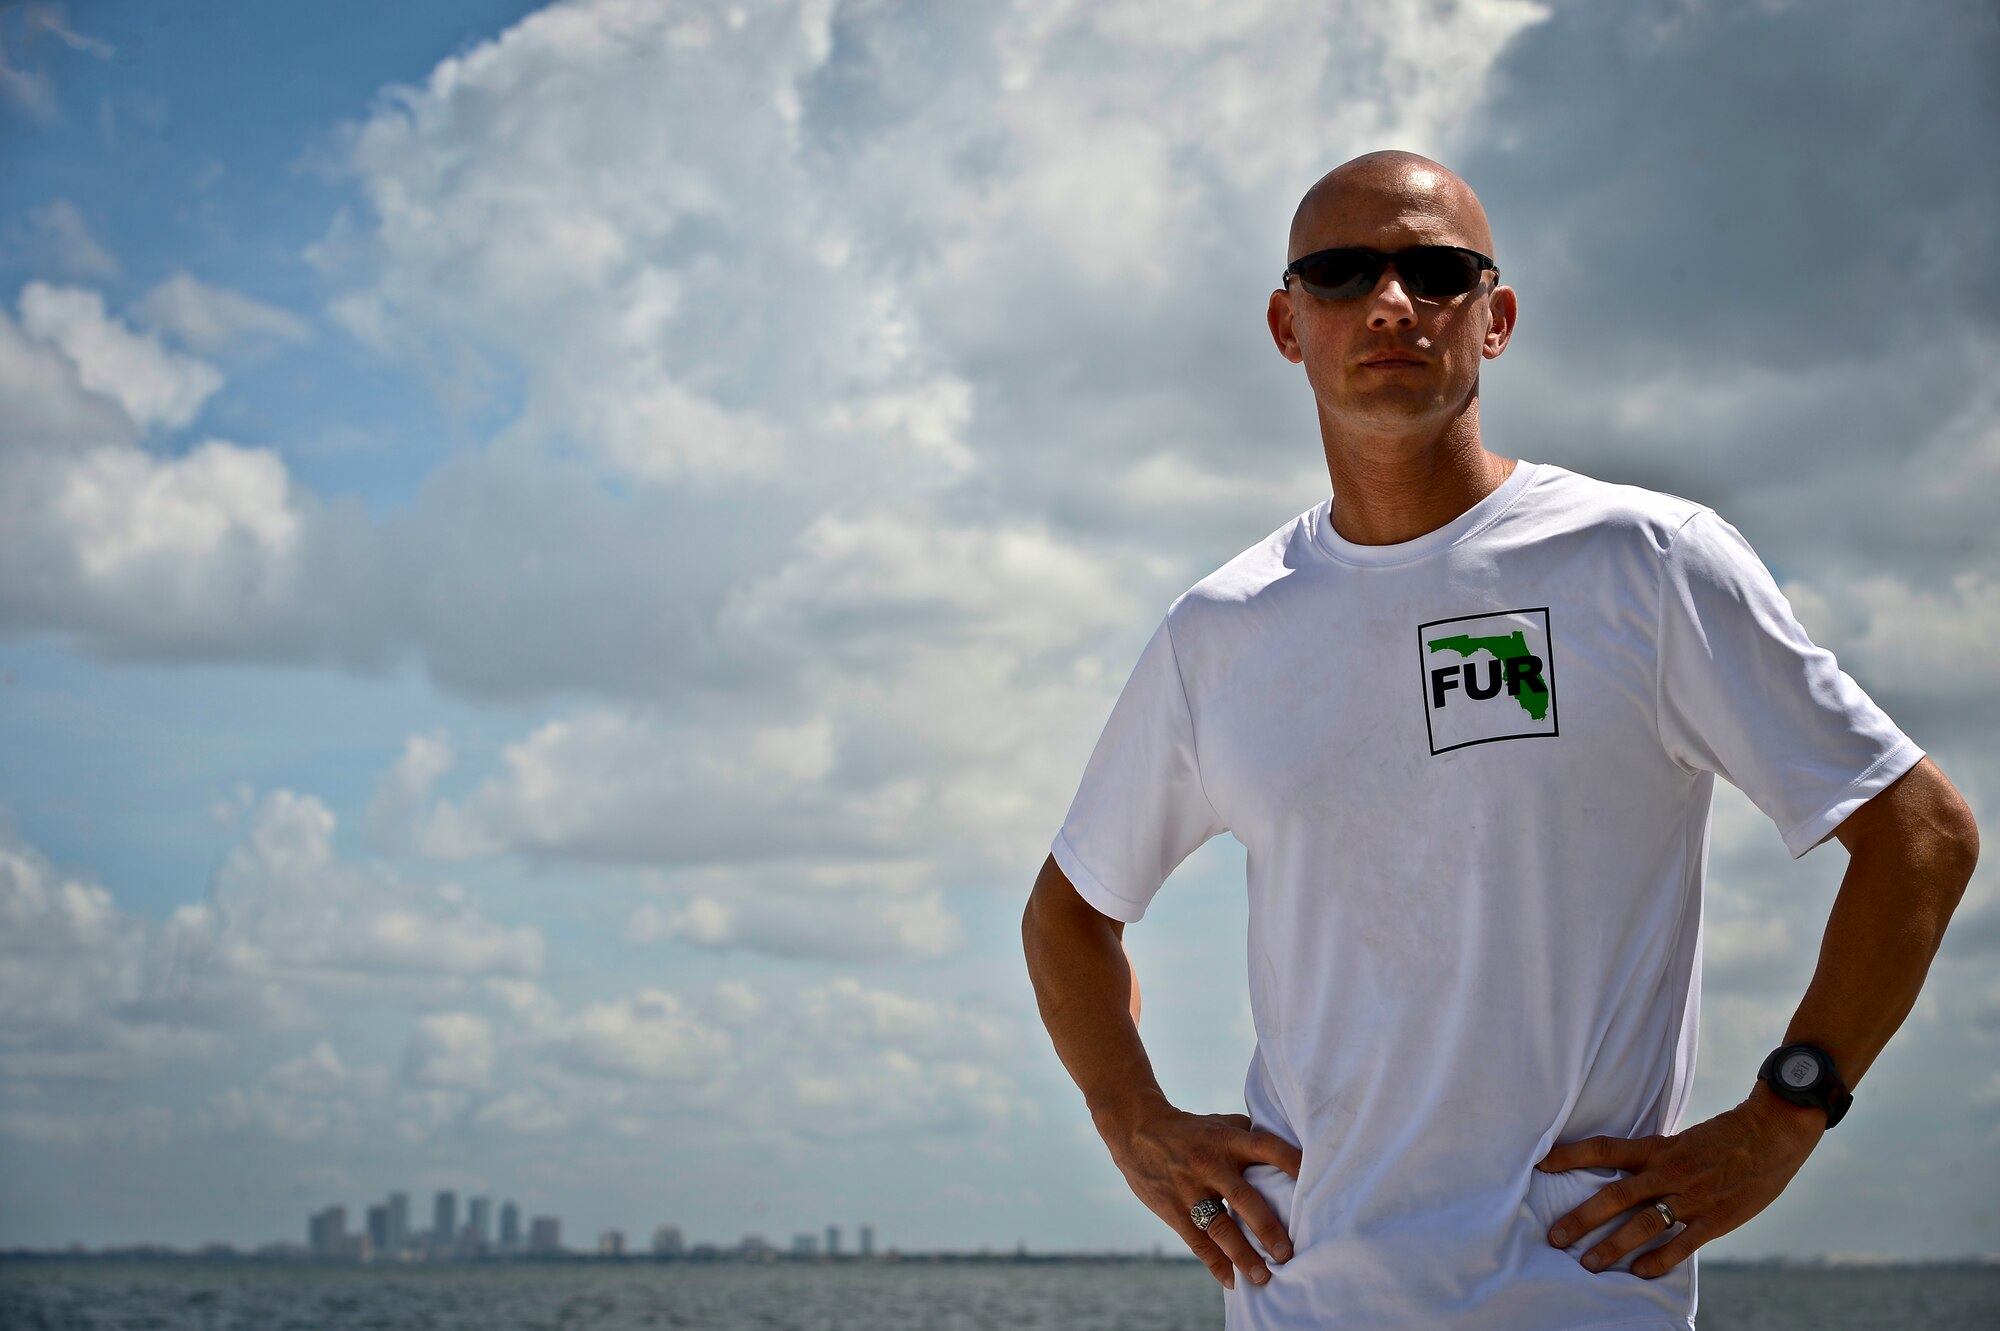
<point x="1388" y="492"/>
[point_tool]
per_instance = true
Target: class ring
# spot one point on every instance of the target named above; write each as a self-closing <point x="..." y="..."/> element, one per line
<point x="1203" y="1212"/>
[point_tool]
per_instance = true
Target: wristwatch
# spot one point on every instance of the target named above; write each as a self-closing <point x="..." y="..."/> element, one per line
<point x="1803" y="1074"/>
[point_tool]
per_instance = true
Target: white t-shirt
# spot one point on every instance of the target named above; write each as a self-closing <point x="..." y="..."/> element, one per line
<point x="1472" y="772"/>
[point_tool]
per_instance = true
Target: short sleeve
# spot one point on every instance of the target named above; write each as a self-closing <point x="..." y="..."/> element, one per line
<point x="1744" y="693"/>
<point x="1140" y="809"/>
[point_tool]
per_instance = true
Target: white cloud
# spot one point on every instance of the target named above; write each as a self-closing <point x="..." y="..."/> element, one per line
<point x="289" y="937"/>
<point x="213" y="319"/>
<point x="839" y="1059"/>
<point x="284" y="902"/>
<point x="156" y="387"/>
<point x="141" y="1125"/>
<point x="133" y="518"/>
<point x="847" y="927"/>
<point x="288" y="1118"/>
<point x="47" y="407"/>
<point x="1940" y="640"/>
<point x="450" y="1050"/>
<point x="651" y="1036"/>
<point x="403" y="791"/>
<point x="71" y="955"/>
<point x="98" y="536"/>
<point x="322" y="1071"/>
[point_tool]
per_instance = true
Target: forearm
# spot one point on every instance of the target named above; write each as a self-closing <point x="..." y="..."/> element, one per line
<point x="1887" y="923"/>
<point x="1083" y="986"/>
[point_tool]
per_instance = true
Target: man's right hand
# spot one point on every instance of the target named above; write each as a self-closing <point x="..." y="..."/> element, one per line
<point x="1174" y="1159"/>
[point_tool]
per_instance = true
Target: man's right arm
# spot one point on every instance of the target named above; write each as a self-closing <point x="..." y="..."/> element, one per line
<point x="1084" y="987"/>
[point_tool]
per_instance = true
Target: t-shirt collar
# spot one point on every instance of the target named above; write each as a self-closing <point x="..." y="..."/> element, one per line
<point x="1403" y="552"/>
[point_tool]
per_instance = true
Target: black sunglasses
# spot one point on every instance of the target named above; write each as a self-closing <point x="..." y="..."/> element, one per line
<point x="1435" y="272"/>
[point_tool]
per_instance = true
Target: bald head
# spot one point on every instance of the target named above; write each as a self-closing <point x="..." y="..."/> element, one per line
<point x="1387" y="188"/>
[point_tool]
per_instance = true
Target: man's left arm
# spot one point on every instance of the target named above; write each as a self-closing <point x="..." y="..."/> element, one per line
<point x="1912" y="848"/>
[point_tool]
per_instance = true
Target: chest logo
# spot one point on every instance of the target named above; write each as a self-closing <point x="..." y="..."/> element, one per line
<point x="1487" y="677"/>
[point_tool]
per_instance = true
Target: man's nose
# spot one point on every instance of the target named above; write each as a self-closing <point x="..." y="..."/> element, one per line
<point x="1390" y="304"/>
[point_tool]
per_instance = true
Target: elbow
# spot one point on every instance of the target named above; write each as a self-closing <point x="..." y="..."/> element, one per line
<point x="1958" y="835"/>
<point x="1966" y="844"/>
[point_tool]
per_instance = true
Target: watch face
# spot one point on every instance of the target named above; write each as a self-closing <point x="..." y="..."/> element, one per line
<point x="1799" y="1070"/>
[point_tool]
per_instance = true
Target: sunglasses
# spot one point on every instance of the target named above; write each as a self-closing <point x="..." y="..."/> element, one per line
<point x="1434" y="272"/>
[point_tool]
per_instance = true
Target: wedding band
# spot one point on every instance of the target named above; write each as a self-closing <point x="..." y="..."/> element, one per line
<point x="1203" y="1212"/>
<point x="1666" y="1211"/>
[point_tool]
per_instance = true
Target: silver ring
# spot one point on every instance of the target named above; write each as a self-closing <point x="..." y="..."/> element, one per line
<point x="1666" y="1211"/>
<point x="1203" y="1212"/>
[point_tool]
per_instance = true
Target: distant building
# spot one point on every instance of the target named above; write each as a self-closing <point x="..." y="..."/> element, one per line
<point x="378" y="1228"/>
<point x="611" y="1243"/>
<point x="667" y="1241"/>
<point x="754" y="1245"/>
<point x="545" y="1234"/>
<point x="327" y="1231"/>
<point x="444" y="1220"/>
<point x="868" y="1240"/>
<point x="479" y="1221"/>
<point x="510" y="1227"/>
<point x="833" y="1240"/>
<point x="399" y="1221"/>
<point x="805" y="1245"/>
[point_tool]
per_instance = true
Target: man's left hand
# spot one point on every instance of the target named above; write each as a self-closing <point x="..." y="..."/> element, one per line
<point x="1714" y="1176"/>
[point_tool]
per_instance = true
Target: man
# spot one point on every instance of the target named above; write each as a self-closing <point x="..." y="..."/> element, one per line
<point x="1466" y="716"/>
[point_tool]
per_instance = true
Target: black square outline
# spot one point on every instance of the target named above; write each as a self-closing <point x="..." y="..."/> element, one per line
<point x="1423" y="679"/>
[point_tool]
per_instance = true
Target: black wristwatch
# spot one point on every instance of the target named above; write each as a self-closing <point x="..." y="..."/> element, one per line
<point x="1803" y="1074"/>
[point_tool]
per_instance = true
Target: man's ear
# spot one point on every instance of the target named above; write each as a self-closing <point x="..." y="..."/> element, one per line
<point x="1278" y="314"/>
<point x="1505" y="309"/>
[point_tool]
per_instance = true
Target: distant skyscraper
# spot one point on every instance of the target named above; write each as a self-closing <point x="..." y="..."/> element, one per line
<point x="868" y="1240"/>
<point x="545" y="1234"/>
<point x="833" y="1240"/>
<point x="444" y="1220"/>
<point x="805" y="1245"/>
<point x="667" y="1241"/>
<point x="611" y="1243"/>
<point x="378" y="1227"/>
<point x="510" y="1226"/>
<point x="479" y="1219"/>
<point x="399" y="1220"/>
<point x="329" y="1231"/>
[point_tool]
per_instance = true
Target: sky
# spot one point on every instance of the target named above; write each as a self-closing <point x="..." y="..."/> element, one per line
<point x="559" y="568"/>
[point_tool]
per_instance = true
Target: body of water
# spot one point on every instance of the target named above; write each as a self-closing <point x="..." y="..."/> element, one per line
<point x="48" y="1295"/>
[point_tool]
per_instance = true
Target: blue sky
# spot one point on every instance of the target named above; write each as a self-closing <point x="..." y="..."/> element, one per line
<point x="558" y="570"/>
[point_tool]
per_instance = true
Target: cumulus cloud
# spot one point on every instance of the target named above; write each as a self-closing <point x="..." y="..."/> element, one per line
<point x="845" y="927"/>
<point x="1940" y="639"/>
<point x="288" y="935"/>
<point x="764" y="1062"/>
<point x="452" y="1050"/>
<point x="284" y="901"/>
<point x="142" y="552"/>
<point x="403" y="791"/>
<point x="71" y="960"/>
<point x="650" y="1036"/>
<point x="839" y="1059"/>
<point x="156" y="387"/>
